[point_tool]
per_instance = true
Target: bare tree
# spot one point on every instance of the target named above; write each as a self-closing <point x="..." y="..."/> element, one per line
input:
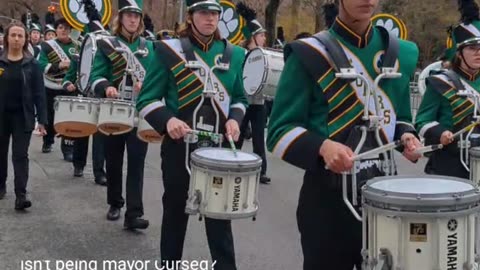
<point x="271" y="20"/>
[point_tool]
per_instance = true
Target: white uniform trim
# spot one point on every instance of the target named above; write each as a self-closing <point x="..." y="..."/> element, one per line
<point x="286" y="140"/>
<point x="150" y="108"/>
<point x="428" y="126"/>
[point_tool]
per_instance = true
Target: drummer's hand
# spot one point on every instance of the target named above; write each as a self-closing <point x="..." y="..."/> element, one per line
<point x="232" y="129"/>
<point x="41" y="130"/>
<point x="64" y="64"/>
<point x="176" y="128"/>
<point x="446" y="138"/>
<point x="410" y="144"/>
<point x="137" y="87"/>
<point x="71" y="87"/>
<point x="111" y="92"/>
<point x="338" y="157"/>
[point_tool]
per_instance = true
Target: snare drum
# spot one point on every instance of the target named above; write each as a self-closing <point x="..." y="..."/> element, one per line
<point x="262" y="71"/>
<point x="475" y="165"/>
<point x="116" y="116"/>
<point x="420" y="222"/>
<point x="76" y="116"/>
<point x="222" y="185"/>
<point x="147" y="133"/>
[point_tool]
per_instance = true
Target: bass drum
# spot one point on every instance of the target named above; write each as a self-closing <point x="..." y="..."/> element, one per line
<point x="87" y="55"/>
<point x="422" y="87"/>
<point x="261" y="72"/>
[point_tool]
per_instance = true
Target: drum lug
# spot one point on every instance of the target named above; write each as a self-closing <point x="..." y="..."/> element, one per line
<point x="385" y="261"/>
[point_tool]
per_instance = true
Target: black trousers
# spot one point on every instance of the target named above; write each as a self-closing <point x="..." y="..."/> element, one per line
<point x="174" y="223"/>
<point x="14" y="127"/>
<point x="49" y="139"/>
<point x="80" y="152"/>
<point x="136" y="152"/>
<point x="256" y="115"/>
<point x="330" y="235"/>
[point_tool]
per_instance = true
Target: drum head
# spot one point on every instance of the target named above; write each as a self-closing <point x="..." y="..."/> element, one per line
<point x="421" y="194"/>
<point x="87" y="54"/>
<point x="254" y="71"/>
<point x="225" y="158"/>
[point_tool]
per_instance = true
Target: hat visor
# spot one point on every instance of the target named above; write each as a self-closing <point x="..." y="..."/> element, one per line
<point x="205" y="6"/>
<point x="131" y="9"/>
<point x="468" y="42"/>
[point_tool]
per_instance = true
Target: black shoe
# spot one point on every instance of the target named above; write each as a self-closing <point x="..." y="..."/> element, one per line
<point x="68" y="157"/>
<point x="77" y="172"/>
<point x="135" y="223"/>
<point x="3" y="191"/>
<point x="113" y="213"/>
<point x="265" y="179"/>
<point x="46" y="148"/>
<point x="102" y="181"/>
<point x="22" y="202"/>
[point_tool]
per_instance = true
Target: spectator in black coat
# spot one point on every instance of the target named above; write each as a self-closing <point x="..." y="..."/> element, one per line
<point x="22" y="93"/>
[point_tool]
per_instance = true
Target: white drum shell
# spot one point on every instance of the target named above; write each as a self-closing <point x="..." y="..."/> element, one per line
<point x="262" y="71"/>
<point x="475" y="165"/>
<point x="435" y="235"/>
<point x="116" y="112"/>
<point x="224" y="193"/>
<point x="76" y="113"/>
<point x="144" y="126"/>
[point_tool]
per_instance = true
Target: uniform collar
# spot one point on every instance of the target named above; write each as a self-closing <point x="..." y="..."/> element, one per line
<point x="126" y="39"/>
<point x="466" y="75"/>
<point x="347" y="34"/>
<point x="200" y="44"/>
<point x="64" y="43"/>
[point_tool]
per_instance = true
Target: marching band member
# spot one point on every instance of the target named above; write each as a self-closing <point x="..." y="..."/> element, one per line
<point x="442" y="110"/>
<point x="182" y="87"/>
<point x="315" y="114"/>
<point x="108" y="70"/>
<point x="80" y="147"/>
<point x="256" y="115"/>
<point x="55" y="58"/>
<point x="22" y="95"/>
<point x="32" y="22"/>
<point x="49" y="32"/>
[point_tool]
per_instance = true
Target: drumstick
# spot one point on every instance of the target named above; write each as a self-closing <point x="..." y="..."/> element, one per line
<point x="377" y="150"/>
<point x="465" y="129"/>
<point x="232" y="144"/>
<point x="429" y="148"/>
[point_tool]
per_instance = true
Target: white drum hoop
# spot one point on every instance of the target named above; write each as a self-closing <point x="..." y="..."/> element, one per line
<point x="243" y="163"/>
<point x="425" y="204"/>
<point x="422" y="84"/>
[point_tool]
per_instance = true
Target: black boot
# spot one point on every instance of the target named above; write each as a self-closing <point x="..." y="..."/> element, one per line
<point x="21" y="203"/>
<point x="102" y="181"/>
<point x="3" y="191"/>
<point x="77" y="172"/>
<point x="113" y="213"/>
<point x="135" y="223"/>
<point x="46" y="148"/>
<point x="264" y="179"/>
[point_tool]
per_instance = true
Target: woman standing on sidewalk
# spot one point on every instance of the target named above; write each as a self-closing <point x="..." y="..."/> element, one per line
<point x="22" y="93"/>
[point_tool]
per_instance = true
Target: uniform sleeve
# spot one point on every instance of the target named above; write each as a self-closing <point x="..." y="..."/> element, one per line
<point x="431" y="114"/>
<point x="71" y="76"/>
<point x="45" y="66"/>
<point x="238" y="104"/>
<point x="150" y="101"/>
<point x="289" y="136"/>
<point x="101" y="74"/>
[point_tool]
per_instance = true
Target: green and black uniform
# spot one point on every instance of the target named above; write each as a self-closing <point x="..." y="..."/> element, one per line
<point x="443" y="110"/>
<point x="108" y="70"/>
<point x="51" y="54"/>
<point x="181" y="88"/>
<point x="312" y="105"/>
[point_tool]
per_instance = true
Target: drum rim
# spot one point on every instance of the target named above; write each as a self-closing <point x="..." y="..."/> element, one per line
<point x="382" y="199"/>
<point x="117" y="101"/>
<point x="222" y="164"/>
<point x="474" y="151"/>
<point x="79" y="99"/>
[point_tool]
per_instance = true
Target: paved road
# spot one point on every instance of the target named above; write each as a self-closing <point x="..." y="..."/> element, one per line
<point x="67" y="220"/>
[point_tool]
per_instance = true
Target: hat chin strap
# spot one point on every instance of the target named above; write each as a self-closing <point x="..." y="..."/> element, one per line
<point x="465" y="61"/>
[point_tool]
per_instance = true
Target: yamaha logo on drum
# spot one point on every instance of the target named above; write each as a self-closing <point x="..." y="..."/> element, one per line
<point x="238" y="180"/>
<point x="452" y="225"/>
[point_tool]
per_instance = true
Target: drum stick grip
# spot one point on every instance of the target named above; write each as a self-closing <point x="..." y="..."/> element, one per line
<point x="232" y="144"/>
<point x="429" y="148"/>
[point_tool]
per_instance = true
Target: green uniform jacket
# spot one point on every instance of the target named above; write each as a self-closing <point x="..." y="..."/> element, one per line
<point x="49" y="60"/>
<point x="171" y="89"/>
<point x="442" y="109"/>
<point x="311" y="104"/>
<point x="109" y="66"/>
